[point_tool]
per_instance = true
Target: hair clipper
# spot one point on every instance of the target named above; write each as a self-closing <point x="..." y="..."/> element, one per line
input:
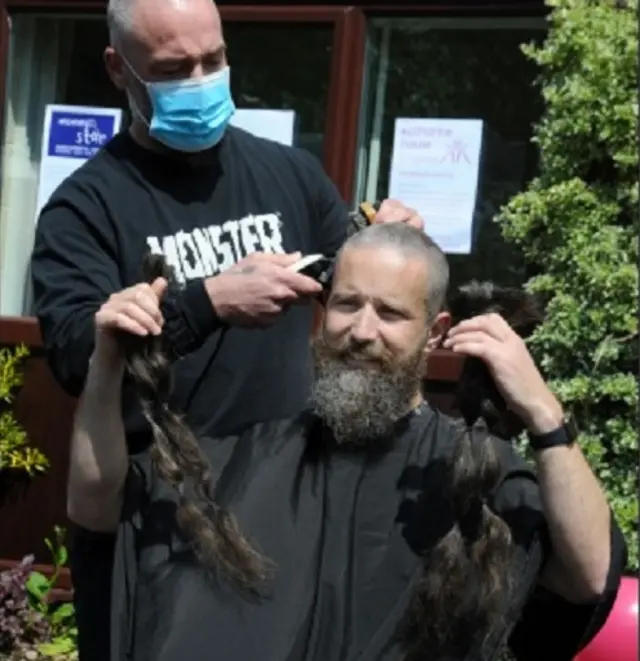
<point x="320" y="267"/>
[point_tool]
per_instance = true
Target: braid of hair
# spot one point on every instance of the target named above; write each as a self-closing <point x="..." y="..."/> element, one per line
<point x="178" y="459"/>
<point x="465" y="590"/>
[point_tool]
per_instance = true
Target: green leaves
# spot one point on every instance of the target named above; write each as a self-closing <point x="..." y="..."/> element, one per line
<point x="10" y="374"/>
<point x="15" y="451"/>
<point x="58" y="550"/>
<point x="38" y="587"/>
<point x="589" y="77"/>
<point x="60" y="618"/>
<point x="58" y="647"/>
<point x="577" y="227"/>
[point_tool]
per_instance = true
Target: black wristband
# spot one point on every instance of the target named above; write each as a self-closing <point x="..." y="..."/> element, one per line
<point x="565" y="435"/>
<point x="190" y="318"/>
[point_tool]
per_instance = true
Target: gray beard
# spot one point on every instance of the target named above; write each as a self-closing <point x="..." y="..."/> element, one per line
<point x="362" y="404"/>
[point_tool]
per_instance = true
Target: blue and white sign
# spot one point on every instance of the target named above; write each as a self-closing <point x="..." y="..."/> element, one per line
<point x="72" y="135"/>
<point x="79" y="134"/>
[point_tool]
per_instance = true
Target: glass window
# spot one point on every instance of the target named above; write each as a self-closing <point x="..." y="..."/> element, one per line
<point x="264" y="76"/>
<point x="456" y="68"/>
<point x="59" y="60"/>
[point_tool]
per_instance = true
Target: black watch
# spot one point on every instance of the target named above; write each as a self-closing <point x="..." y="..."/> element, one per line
<point x="566" y="435"/>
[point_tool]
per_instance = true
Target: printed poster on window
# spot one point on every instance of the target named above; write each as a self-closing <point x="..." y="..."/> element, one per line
<point x="434" y="168"/>
<point x="71" y="136"/>
<point x="277" y="125"/>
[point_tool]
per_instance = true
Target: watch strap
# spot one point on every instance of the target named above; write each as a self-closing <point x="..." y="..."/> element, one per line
<point x="565" y="435"/>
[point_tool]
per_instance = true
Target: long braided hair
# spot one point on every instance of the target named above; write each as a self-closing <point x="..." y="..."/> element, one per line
<point x="465" y="589"/>
<point x="176" y="456"/>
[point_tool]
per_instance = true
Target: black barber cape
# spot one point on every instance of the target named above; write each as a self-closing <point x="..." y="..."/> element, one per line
<point x="345" y="530"/>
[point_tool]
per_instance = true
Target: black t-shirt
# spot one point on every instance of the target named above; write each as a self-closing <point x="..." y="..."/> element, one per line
<point x="346" y="531"/>
<point x="250" y="195"/>
<point x="253" y="195"/>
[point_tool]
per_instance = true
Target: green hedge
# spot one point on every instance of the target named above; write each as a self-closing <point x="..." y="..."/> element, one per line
<point x="577" y="226"/>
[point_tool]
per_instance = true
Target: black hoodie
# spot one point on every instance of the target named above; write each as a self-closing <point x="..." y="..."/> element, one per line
<point x="252" y="195"/>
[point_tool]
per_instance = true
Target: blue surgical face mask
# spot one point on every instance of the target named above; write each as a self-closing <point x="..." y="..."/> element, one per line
<point x="189" y="115"/>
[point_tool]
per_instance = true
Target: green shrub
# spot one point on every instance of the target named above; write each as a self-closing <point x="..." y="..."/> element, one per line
<point x="577" y="227"/>
<point x="15" y="451"/>
<point x="33" y="627"/>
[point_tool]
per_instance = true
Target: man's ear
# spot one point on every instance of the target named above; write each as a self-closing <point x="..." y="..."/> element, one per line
<point x="438" y="331"/>
<point x="115" y="68"/>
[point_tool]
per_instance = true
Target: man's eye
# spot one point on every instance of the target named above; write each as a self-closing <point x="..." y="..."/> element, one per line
<point x="344" y="305"/>
<point x="170" y="73"/>
<point x="213" y="63"/>
<point x="389" y="314"/>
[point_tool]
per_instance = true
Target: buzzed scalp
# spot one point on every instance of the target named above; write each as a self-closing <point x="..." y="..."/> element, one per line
<point x="119" y="19"/>
<point x="411" y="242"/>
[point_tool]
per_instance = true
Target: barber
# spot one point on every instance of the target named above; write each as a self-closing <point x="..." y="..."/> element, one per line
<point x="229" y="211"/>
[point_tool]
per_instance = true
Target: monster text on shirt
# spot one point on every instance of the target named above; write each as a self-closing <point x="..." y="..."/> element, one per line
<point x="207" y="251"/>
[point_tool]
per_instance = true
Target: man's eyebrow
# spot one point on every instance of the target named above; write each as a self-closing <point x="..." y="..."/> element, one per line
<point x="181" y="59"/>
<point x="346" y="295"/>
<point x="217" y="52"/>
<point x="342" y="293"/>
<point x="395" y="306"/>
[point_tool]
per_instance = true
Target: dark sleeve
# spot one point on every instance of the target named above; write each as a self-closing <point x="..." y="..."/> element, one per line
<point x="76" y="265"/>
<point x="124" y="572"/>
<point x="568" y="628"/>
<point x="331" y="210"/>
<point x="548" y="626"/>
<point x="91" y="559"/>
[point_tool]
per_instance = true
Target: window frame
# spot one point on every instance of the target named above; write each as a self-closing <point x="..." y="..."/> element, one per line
<point x="362" y="179"/>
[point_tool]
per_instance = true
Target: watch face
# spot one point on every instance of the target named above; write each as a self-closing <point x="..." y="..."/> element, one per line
<point x="571" y="428"/>
<point x="566" y="434"/>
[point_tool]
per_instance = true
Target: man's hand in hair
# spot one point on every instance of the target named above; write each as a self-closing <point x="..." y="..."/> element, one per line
<point x="394" y="211"/>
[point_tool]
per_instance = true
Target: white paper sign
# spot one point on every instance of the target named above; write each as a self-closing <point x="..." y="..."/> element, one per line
<point x="277" y="125"/>
<point x="434" y="169"/>
<point x="71" y="136"/>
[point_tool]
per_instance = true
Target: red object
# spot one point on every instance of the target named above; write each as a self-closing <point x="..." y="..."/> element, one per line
<point x="618" y="639"/>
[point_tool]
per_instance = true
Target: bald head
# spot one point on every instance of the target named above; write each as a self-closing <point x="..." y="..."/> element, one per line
<point x="410" y="243"/>
<point x="128" y="17"/>
<point x="177" y="30"/>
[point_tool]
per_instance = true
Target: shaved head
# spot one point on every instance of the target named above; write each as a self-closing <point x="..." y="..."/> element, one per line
<point x="159" y="20"/>
<point x="410" y="242"/>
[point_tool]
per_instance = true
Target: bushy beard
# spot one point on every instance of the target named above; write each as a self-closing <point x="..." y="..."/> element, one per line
<point x="361" y="397"/>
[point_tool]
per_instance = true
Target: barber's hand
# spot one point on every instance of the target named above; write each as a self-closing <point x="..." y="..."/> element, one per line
<point x="490" y="338"/>
<point x="134" y="310"/>
<point x="259" y="288"/>
<point x="393" y="211"/>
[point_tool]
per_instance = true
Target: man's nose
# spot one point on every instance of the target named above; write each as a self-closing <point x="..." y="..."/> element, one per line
<point x="365" y="329"/>
<point x="198" y="71"/>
